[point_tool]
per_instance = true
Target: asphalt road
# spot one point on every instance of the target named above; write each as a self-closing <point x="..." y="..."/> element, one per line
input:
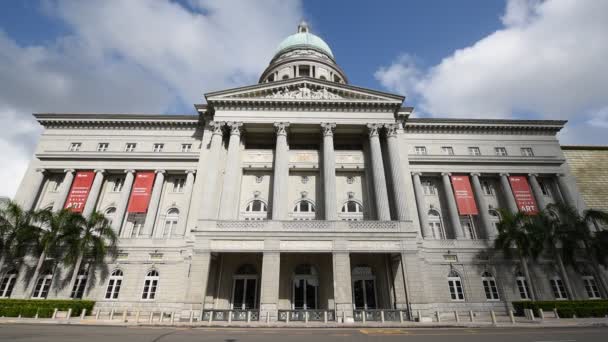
<point x="52" y="333"/>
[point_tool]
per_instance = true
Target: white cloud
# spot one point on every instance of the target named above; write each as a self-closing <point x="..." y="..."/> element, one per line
<point x="548" y="61"/>
<point x="131" y="57"/>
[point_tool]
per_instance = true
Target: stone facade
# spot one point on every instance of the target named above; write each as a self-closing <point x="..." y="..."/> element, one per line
<point x="299" y="194"/>
<point x="589" y="164"/>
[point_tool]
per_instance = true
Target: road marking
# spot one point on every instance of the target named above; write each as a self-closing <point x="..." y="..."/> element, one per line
<point x="384" y="332"/>
<point x="557" y="341"/>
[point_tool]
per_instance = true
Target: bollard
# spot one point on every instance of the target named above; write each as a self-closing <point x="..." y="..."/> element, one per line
<point x="288" y="313"/>
<point x="112" y="314"/>
<point x="248" y="316"/>
<point x="511" y="317"/>
<point x="456" y="316"/>
<point x="83" y="313"/>
<point x="137" y="316"/>
<point x="191" y="316"/>
<point x="343" y="316"/>
<point x="438" y="316"/>
<point x="172" y="317"/>
<point x="531" y="314"/>
<point x="230" y="316"/>
<point x="268" y="317"/>
<point x="382" y="316"/>
<point x="151" y="317"/>
<point x="124" y="315"/>
<point x="400" y="316"/>
<point x="364" y="316"/>
<point x="210" y="317"/>
<point x="325" y="317"/>
<point x="541" y="314"/>
<point x="69" y="314"/>
<point x="36" y="316"/>
<point x="471" y="316"/>
<point x="162" y="316"/>
<point x="54" y="313"/>
<point x="419" y="316"/>
<point x="493" y="315"/>
<point x="306" y="317"/>
<point x="573" y="316"/>
<point x="19" y="316"/>
<point x="97" y="314"/>
<point x="555" y="313"/>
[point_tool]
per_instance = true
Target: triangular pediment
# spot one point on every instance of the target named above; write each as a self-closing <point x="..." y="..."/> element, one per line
<point x="303" y="90"/>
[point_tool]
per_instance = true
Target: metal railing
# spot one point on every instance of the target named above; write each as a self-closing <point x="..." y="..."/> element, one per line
<point x="307" y="315"/>
<point x="230" y="315"/>
<point x="380" y="315"/>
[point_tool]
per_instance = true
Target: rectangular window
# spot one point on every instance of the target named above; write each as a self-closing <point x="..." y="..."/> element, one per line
<point x="593" y="292"/>
<point x="420" y="150"/>
<point x="119" y="182"/>
<point x="559" y="291"/>
<point x="500" y="151"/>
<point x="75" y="146"/>
<point x="527" y="152"/>
<point x="429" y="188"/>
<point x="456" y="292"/>
<point x="102" y="147"/>
<point x="130" y="147"/>
<point x="487" y="188"/>
<point x="158" y="147"/>
<point x="522" y="286"/>
<point x="544" y="188"/>
<point x="489" y="286"/>
<point x="474" y="151"/>
<point x="447" y="150"/>
<point x="54" y="184"/>
<point x="186" y="147"/>
<point x="178" y="184"/>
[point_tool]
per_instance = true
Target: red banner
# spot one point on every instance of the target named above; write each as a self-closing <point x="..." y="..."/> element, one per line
<point x="464" y="195"/>
<point x="79" y="192"/>
<point x="142" y="190"/>
<point x="523" y="195"/>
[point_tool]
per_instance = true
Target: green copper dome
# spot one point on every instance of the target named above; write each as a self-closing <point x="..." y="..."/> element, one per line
<point x="304" y="38"/>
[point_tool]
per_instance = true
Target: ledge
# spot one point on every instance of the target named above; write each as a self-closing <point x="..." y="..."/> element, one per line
<point x="94" y="155"/>
<point x="467" y="159"/>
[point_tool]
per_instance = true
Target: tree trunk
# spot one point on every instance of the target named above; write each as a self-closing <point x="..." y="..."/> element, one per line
<point x="562" y="270"/>
<point x="74" y="275"/>
<point x="524" y="264"/>
<point x="30" y="291"/>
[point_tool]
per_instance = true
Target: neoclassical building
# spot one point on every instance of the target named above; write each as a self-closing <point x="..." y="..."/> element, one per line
<point x="302" y="193"/>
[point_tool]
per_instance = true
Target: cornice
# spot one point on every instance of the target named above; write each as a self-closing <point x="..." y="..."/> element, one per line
<point x="467" y="159"/>
<point x="140" y="156"/>
<point x="117" y="121"/>
<point x="466" y="126"/>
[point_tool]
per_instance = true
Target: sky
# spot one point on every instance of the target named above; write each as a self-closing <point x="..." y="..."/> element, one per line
<point x="526" y="59"/>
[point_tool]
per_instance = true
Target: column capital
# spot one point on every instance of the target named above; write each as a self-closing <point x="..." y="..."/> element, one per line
<point x="391" y="129"/>
<point x="69" y="170"/>
<point x="281" y="128"/>
<point x="235" y="127"/>
<point x="475" y="174"/>
<point x="328" y="128"/>
<point x="41" y="170"/>
<point x="532" y="174"/>
<point x="129" y="171"/>
<point x="190" y="171"/>
<point x="560" y="174"/>
<point x="444" y="174"/>
<point x="504" y="174"/>
<point x="373" y="129"/>
<point x="99" y="171"/>
<point x="216" y="127"/>
<point x="417" y="173"/>
<point x="160" y="171"/>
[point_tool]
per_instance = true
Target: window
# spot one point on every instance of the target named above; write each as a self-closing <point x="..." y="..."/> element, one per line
<point x="468" y="228"/>
<point x="591" y="288"/>
<point x="527" y="152"/>
<point x="487" y="188"/>
<point x="171" y="222"/>
<point x="474" y="151"/>
<point x="75" y="147"/>
<point x="256" y="206"/>
<point x="500" y="151"/>
<point x="352" y="207"/>
<point x="455" y="286"/>
<point x="178" y="184"/>
<point x="256" y="210"/>
<point x="150" y="285"/>
<point x="102" y="147"/>
<point x="436" y="225"/>
<point x="43" y="285"/>
<point x="119" y="182"/>
<point x="364" y="288"/>
<point x="109" y="214"/>
<point x="447" y="150"/>
<point x="559" y="291"/>
<point x="138" y="226"/>
<point x="522" y="286"/>
<point x="54" y="184"/>
<point x="494" y="219"/>
<point x="304" y="206"/>
<point x="420" y="150"/>
<point x="158" y="147"/>
<point x="244" y="288"/>
<point x="429" y="188"/>
<point x="304" y="71"/>
<point x="8" y="284"/>
<point x="114" y="285"/>
<point x="130" y="147"/>
<point x="79" y="285"/>
<point x="305" y="288"/>
<point x="186" y="147"/>
<point x="544" y="188"/>
<point x="489" y="286"/>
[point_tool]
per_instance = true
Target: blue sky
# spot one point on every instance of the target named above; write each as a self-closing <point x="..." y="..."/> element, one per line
<point x="531" y="59"/>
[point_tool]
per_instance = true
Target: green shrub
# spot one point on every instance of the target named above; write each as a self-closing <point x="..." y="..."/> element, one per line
<point x="44" y="307"/>
<point x="566" y="308"/>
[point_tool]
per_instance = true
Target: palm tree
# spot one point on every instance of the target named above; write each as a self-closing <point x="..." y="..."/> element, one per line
<point x="93" y="238"/>
<point x="576" y="227"/>
<point x="51" y="240"/>
<point x="17" y="230"/>
<point x="517" y="230"/>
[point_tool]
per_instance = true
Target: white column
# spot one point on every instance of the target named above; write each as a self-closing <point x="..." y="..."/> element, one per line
<point x="329" y="172"/>
<point x="269" y="289"/>
<point x="538" y="193"/>
<point x="564" y="189"/>
<point x="343" y="296"/>
<point x="394" y="156"/>
<point x="452" y="208"/>
<point x="121" y="208"/>
<point x="483" y="208"/>
<point x="188" y="193"/>
<point x="427" y="232"/>
<point x="281" y="172"/>
<point x="154" y="203"/>
<point x="65" y="189"/>
<point x="380" y="191"/>
<point x="508" y="193"/>
<point x="91" y="203"/>
<point x="208" y="207"/>
<point x="228" y="206"/>
<point x="34" y="186"/>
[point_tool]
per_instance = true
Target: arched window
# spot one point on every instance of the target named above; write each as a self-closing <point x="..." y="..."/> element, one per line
<point x="468" y="228"/>
<point x="150" y="285"/>
<point x="322" y="78"/>
<point x="80" y="284"/>
<point x="304" y="206"/>
<point x="489" y="286"/>
<point x="593" y="291"/>
<point x="8" y="283"/>
<point x="114" y="285"/>
<point x="305" y="288"/>
<point x="285" y="77"/>
<point x="256" y="210"/>
<point x="522" y="286"/>
<point x="364" y="287"/>
<point x="557" y="285"/>
<point x="436" y="225"/>
<point x="455" y="286"/>
<point x="171" y="222"/>
<point x="109" y="214"/>
<point x="245" y="288"/>
<point x="352" y="207"/>
<point x="43" y="285"/>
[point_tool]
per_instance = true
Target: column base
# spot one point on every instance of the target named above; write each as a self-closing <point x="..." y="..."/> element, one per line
<point x="270" y="312"/>
<point x="344" y="313"/>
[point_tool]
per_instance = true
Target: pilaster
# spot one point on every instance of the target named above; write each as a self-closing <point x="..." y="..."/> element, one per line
<point x="281" y="172"/>
<point x="228" y="206"/>
<point x="380" y="190"/>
